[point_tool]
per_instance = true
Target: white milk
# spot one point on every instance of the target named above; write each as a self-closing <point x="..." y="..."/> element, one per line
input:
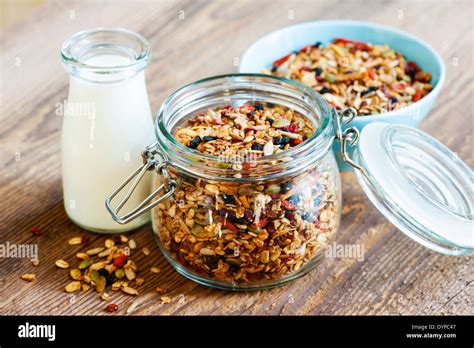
<point x="105" y="128"/>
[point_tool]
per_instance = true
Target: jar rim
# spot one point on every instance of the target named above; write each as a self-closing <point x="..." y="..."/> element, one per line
<point x="321" y="139"/>
<point x="74" y="62"/>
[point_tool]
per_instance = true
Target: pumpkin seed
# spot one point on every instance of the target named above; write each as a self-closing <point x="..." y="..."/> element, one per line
<point x="62" y="264"/>
<point x="85" y="264"/>
<point x="119" y="273"/>
<point x="73" y="286"/>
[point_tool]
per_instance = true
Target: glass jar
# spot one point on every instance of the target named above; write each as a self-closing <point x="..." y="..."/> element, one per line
<point x="266" y="221"/>
<point x="107" y="118"/>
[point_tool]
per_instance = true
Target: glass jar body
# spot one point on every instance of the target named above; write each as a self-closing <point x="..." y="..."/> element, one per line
<point x="254" y="235"/>
<point x="253" y="225"/>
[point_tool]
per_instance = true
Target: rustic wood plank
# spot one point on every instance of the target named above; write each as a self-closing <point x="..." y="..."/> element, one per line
<point x="397" y="275"/>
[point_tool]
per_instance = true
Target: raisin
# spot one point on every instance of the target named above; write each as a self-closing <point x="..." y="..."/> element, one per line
<point x="324" y="90"/>
<point x="208" y="138"/>
<point x="318" y="71"/>
<point x="242" y="221"/>
<point x="285" y="187"/>
<point x="369" y="90"/>
<point x="259" y="107"/>
<point x="193" y="144"/>
<point x="211" y="261"/>
<point x="228" y="199"/>
<point x="271" y="121"/>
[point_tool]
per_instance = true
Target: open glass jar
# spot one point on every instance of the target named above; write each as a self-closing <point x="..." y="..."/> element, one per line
<point x="261" y="225"/>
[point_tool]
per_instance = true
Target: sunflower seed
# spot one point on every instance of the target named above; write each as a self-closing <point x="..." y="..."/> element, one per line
<point x="130" y="291"/>
<point x="62" y="264"/>
<point x="75" y="241"/>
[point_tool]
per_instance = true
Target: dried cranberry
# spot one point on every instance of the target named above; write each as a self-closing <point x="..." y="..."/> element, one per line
<point x="36" y="231"/>
<point x="120" y="260"/>
<point x="85" y="239"/>
<point x="290" y="215"/>
<point x="111" y="308"/>
<point x="292" y="128"/>
<point x="295" y="142"/>
<point x="288" y="205"/>
<point x="248" y="214"/>
<point x="411" y="68"/>
<point x="270" y="228"/>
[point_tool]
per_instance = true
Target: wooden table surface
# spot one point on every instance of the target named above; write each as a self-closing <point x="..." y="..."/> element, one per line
<point x="192" y="40"/>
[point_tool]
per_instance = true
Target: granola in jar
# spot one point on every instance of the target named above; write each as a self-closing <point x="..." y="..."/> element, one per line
<point x="248" y="232"/>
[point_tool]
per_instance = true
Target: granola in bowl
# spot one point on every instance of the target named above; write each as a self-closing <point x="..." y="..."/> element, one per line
<point x="248" y="233"/>
<point x="373" y="79"/>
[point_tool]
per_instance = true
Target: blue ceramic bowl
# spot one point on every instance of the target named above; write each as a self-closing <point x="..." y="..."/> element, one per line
<point x="273" y="46"/>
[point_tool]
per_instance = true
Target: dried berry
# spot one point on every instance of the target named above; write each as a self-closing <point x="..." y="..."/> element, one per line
<point x="257" y="147"/>
<point x="286" y="186"/>
<point x="228" y="199"/>
<point x="36" y="231"/>
<point x="111" y="308"/>
<point x="120" y="260"/>
<point x="208" y="138"/>
<point x="193" y="144"/>
<point x="324" y="90"/>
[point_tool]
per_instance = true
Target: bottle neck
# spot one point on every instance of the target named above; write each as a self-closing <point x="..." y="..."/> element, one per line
<point x="105" y="55"/>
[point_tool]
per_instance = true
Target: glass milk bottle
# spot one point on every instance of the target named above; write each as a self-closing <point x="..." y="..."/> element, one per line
<point x="107" y="118"/>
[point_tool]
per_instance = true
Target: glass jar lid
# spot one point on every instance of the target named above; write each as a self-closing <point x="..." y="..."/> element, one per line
<point x="419" y="185"/>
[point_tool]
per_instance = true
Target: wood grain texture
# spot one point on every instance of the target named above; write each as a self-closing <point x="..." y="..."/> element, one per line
<point x="397" y="276"/>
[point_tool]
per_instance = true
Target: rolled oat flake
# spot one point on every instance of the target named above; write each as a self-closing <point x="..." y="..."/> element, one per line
<point x="418" y="184"/>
